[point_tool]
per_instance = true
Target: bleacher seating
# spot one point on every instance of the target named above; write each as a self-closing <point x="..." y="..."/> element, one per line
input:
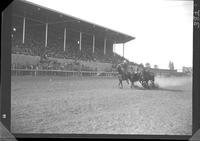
<point x="34" y="45"/>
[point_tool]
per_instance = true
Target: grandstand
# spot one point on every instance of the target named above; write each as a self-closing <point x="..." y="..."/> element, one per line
<point x="41" y="35"/>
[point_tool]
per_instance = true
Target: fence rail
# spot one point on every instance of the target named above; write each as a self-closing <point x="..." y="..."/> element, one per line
<point x="34" y="72"/>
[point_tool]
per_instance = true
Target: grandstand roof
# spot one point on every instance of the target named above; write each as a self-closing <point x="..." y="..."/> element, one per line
<point x="45" y="15"/>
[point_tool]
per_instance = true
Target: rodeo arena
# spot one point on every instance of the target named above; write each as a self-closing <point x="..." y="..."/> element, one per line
<point x="67" y="78"/>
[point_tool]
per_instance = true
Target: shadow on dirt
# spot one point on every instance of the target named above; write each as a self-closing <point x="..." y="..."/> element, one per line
<point x="138" y="87"/>
<point x="157" y="88"/>
<point x="166" y="89"/>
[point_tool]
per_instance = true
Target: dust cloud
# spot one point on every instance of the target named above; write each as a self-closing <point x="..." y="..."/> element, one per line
<point x="172" y="81"/>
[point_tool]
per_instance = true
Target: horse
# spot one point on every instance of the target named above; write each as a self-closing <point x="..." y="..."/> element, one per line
<point x="127" y="74"/>
<point x="133" y="77"/>
<point x="122" y="75"/>
<point x="145" y="77"/>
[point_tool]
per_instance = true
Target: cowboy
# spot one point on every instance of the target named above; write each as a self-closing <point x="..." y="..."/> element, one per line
<point x="123" y="68"/>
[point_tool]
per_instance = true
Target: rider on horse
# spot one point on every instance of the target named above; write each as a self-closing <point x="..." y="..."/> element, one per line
<point x="122" y="69"/>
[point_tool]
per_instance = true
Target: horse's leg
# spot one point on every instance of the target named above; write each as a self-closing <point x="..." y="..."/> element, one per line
<point x="120" y="84"/>
<point x="132" y="84"/>
<point x="127" y="81"/>
<point x="147" y="82"/>
<point x="153" y="85"/>
<point x="142" y="83"/>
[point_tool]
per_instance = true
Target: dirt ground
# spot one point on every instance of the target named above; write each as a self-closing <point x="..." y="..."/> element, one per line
<point x="98" y="106"/>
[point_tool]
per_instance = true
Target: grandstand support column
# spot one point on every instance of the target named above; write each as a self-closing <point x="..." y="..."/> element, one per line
<point x="104" y="46"/>
<point x="24" y="29"/>
<point x="93" y="44"/>
<point x="123" y="48"/>
<point x="46" y="35"/>
<point x="80" y="41"/>
<point x="114" y="45"/>
<point x="64" y="46"/>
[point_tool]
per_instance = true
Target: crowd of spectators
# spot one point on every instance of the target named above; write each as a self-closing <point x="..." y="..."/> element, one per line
<point x="34" y="45"/>
<point x="53" y="66"/>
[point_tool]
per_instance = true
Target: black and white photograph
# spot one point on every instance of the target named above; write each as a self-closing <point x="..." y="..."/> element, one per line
<point x="102" y="67"/>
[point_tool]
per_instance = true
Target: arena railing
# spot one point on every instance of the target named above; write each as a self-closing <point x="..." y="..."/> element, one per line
<point x="42" y="72"/>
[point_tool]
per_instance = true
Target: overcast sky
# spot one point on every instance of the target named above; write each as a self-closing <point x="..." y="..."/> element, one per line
<point x="163" y="29"/>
